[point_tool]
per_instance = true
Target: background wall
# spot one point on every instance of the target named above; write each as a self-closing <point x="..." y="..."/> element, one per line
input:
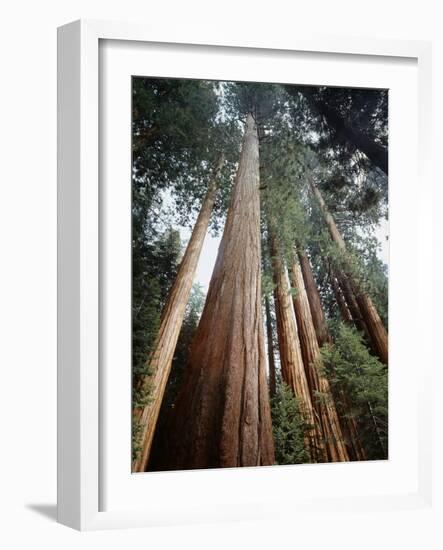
<point x="28" y="266"/>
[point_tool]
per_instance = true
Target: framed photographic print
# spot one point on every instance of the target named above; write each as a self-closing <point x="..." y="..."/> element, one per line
<point x="237" y="228"/>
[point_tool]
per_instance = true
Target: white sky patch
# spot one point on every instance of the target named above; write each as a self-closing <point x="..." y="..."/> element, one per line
<point x="207" y="257"/>
<point x="382" y="236"/>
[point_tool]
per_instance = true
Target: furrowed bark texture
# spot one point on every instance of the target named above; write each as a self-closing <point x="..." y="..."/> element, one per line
<point x="348" y="423"/>
<point x="223" y="412"/>
<point x="324" y="405"/>
<point x="292" y="368"/>
<point x="341" y="302"/>
<point x="170" y="324"/>
<point x="376" y="330"/>
<point x="271" y="357"/>
<point x="315" y="305"/>
<point x="351" y="302"/>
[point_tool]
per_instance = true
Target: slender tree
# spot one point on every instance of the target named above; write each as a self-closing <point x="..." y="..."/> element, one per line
<point x="159" y="455"/>
<point x="319" y="386"/>
<point x="353" y="307"/>
<point x="347" y="420"/>
<point x="223" y="410"/>
<point x="376" y="329"/>
<point x="171" y="320"/>
<point x="291" y="360"/>
<point x="317" y="313"/>
<point x="340" y="299"/>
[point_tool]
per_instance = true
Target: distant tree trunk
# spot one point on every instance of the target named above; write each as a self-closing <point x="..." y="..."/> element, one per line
<point x="354" y="309"/>
<point x="348" y="422"/>
<point x="318" y="316"/>
<point x="170" y="325"/>
<point x="270" y="339"/>
<point x="318" y="383"/>
<point x="377" y="331"/>
<point x="292" y="368"/>
<point x="376" y="153"/>
<point x="223" y="412"/>
<point x="341" y="302"/>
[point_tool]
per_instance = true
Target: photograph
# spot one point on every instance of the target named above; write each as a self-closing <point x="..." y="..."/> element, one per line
<point x="260" y="257"/>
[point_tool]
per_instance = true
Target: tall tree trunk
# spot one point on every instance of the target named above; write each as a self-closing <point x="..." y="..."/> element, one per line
<point x="340" y="299"/>
<point x="377" y="331"/>
<point x="170" y="325"/>
<point x="318" y="316"/>
<point x="353" y="306"/>
<point x="318" y="383"/>
<point x="223" y="412"/>
<point x="270" y="340"/>
<point x="292" y="368"/>
<point x="348" y="423"/>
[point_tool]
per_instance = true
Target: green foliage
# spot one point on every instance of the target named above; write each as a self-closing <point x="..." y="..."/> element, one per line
<point x="136" y="434"/>
<point x="264" y="101"/>
<point x="288" y="427"/>
<point x="181" y="354"/>
<point x="364" y="110"/>
<point x="180" y="127"/>
<point x="178" y="135"/>
<point x="284" y="197"/>
<point x="361" y="377"/>
<point x="172" y="120"/>
<point x="162" y="440"/>
<point x="154" y="267"/>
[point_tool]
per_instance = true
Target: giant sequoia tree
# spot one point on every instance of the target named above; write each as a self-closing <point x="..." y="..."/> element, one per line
<point x="223" y="409"/>
<point x="375" y="328"/>
<point x="298" y="203"/>
<point x="160" y="359"/>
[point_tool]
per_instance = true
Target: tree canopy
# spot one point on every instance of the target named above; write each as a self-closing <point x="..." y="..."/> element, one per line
<point x="321" y="164"/>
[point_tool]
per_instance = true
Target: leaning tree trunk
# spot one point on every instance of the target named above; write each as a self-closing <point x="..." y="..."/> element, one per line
<point x="317" y="313"/>
<point x="376" y="153"/>
<point x="292" y="368"/>
<point x="354" y="309"/>
<point x="377" y="331"/>
<point x="340" y="299"/>
<point x="318" y="383"/>
<point x="223" y="413"/>
<point x="171" y="321"/>
<point x="348" y="422"/>
<point x="270" y="341"/>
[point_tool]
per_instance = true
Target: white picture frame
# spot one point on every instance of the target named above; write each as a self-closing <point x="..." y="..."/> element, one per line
<point x="79" y="411"/>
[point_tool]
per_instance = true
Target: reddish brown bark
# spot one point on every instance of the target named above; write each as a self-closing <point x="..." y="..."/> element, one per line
<point x="341" y="302"/>
<point x="170" y="325"/>
<point x="318" y="316"/>
<point x="348" y="423"/>
<point x="318" y="383"/>
<point x="376" y="330"/>
<point x="223" y="413"/>
<point x="270" y="341"/>
<point x="353" y="306"/>
<point x="291" y="360"/>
